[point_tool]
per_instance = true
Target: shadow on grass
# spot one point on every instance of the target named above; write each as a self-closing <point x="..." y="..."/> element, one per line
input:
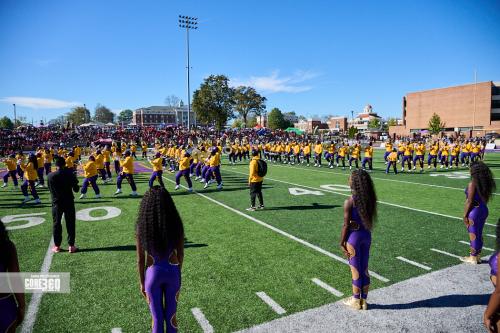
<point x="304" y="207"/>
<point x="447" y="301"/>
<point x="188" y="244"/>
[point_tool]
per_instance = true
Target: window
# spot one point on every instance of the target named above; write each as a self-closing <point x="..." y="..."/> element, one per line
<point x="495" y="116"/>
<point x="495" y="104"/>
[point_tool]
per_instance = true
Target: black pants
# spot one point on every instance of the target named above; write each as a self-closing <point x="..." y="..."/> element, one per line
<point x="68" y="210"/>
<point x="256" y="190"/>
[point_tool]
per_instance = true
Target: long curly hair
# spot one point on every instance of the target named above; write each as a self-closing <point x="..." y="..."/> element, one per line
<point x="365" y="198"/>
<point x="5" y="246"/>
<point x="159" y="226"/>
<point x="483" y="177"/>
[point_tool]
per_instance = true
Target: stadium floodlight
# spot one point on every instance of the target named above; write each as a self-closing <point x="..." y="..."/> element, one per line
<point x="188" y="23"/>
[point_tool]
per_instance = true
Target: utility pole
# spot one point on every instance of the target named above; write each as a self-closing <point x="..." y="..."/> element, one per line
<point x="188" y="23"/>
<point x="474" y="111"/>
<point x="15" y="115"/>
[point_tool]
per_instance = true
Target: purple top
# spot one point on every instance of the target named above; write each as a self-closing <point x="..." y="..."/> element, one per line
<point x="477" y="198"/>
<point x="356" y="217"/>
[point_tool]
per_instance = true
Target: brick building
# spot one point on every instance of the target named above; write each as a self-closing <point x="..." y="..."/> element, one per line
<point x="461" y="108"/>
<point x="162" y="115"/>
<point x="337" y="124"/>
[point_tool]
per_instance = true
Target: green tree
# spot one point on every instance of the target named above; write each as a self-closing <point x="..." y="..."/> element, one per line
<point x="435" y="124"/>
<point x="374" y="123"/>
<point x="125" y="116"/>
<point x="275" y="119"/>
<point x="248" y="101"/>
<point x="392" y="122"/>
<point x="252" y="122"/>
<point x="5" y="122"/>
<point x="103" y="114"/>
<point x="78" y="115"/>
<point x="213" y="101"/>
<point x="237" y="123"/>
<point x="352" y="132"/>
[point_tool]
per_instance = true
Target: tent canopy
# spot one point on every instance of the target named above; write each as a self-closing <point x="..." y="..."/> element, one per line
<point x="295" y="130"/>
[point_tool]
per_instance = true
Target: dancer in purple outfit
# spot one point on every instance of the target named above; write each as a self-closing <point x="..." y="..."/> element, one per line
<point x="12" y="305"/>
<point x="477" y="193"/>
<point x="160" y="239"/>
<point x="360" y="211"/>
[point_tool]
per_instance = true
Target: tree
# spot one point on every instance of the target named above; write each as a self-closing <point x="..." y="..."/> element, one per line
<point x="435" y="124"/>
<point x="172" y="100"/>
<point x="78" y="115"/>
<point x="302" y="118"/>
<point x="374" y="123"/>
<point x="392" y="122"/>
<point x="237" y="123"/>
<point x="125" y="116"/>
<point x="252" y="122"/>
<point x="5" y="122"/>
<point x="213" y="101"/>
<point x="352" y="132"/>
<point x="103" y="114"/>
<point x="248" y="101"/>
<point x="275" y="119"/>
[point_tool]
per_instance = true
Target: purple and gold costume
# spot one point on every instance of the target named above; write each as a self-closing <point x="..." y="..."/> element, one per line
<point x="358" y="244"/>
<point x="8" y="309"/>
<point x="493" y="267"/>
<point x="477" y="217"/>
<point x="162" y="285"/>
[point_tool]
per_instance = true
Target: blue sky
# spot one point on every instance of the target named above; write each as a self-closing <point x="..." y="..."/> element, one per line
<point x="312" y="57"/>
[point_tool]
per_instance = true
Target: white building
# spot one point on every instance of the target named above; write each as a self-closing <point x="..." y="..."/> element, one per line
<point x="363" y="118"/>
<point x="162" y="115"/>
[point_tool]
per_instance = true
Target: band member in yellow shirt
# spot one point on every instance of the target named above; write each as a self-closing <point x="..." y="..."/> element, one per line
<point x="255" y="182"/>
<point x="306" y="150"/>
<point x="157" y="164"/>
<point x="40" y="170"/>
<point x="214" y="168"/>
<point x="368" y="157"/>
<point x="355" y="154"/>
<point x="99" y="163"/>
<point x="30" y="175"/>
<point x="133" y="149"/>
<point x="318" y="151"/>
<point x="127" y="172"/>
<point x="90" y="174"/>
<point x="392" y="161"/>
<point x="70" y="162"/>
<point x="11" y="164"/>
<point x="106" y="153"/>
<point x="388" y="150"/>
<point x="47" y="161"/>
<point x="184" y="166"/>
<point x="144" y="148"/>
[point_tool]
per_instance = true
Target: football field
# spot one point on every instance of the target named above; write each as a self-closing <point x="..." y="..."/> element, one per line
<point x="243" y="268"/>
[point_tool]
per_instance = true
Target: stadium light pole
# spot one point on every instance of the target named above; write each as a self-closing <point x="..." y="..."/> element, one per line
<point x="188" y="23"/>
<point x="15" y="115"/>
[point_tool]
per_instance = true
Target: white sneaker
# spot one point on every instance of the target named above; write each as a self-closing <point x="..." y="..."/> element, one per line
<point x="307" y="164"/>
<point x="4" y="185"/>
<point x="428" y="167"/>
<point x="414" y="168"/>
<point x="26" y="199"/>
<point x="211" y="181"/>
<point x="134" y="194"/>
<point x="319" y="166"/>
<point x="315" y="164"/>
<point x="37" y="201"/>
<point x="337" y="165"/>
<point x="206" y="185"/>
<point x="350" y="167"/>
<point x="118" y="191"/>
<point x="202" y="180"/>
<point x="177" y="187"/>
<point x="331" y="166"/>
<point x="190" y="189"/>
<point x="98" y="196"/>
<point x="83" y="196"/>
<point x="219" y="187"/>
<point x="402" y="169"/>
<point x="442" y="166"/>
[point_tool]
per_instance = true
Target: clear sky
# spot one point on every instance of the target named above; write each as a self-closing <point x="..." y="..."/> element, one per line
<point x="312" y="57"/>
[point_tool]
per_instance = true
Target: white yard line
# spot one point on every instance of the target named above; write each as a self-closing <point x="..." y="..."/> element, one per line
<point x="200" y="318"/>
<point x="31" y="313"/>
<point x="446" y="253"/>
<point x="281" y="232"/>
<point x="327" y="287"/>
<point x="116" y="330"/>
<point x="378" y="178"/>
<point x="411" y="262"/>
<point x="490" y="235"/>
<point x="491" y="224"/>
<point x="348" y="195"/>
<point x="272" y="304"/>
<point x="484" y="247"/>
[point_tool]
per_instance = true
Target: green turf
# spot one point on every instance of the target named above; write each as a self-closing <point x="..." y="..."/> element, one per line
<point x="229" y="257"/>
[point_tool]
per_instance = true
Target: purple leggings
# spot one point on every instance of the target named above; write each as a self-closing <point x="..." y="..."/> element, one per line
<point x="40" y="175"/>
<point x="102" y="172"/>
<point x="48" y="168"/>
<point x="493" y="264"/>
<point x="406" y="158"/>
<point x="477" y="216"/>
<point x="156" y="175"/>
<point x="130" y="178"/>
<point x="8" y="309"/>
<point x="108" y="170"/>
<point x="204" y="171"/>
<point x="214" y="170"/>
<point x="369" y="161"/>
<point x="162" y="284"/>
<point x="31" y="184"/>
<point x="360" y="242"/>
<point x="184" y="173"/>
<point x="13" y="175"/>
<point x="93" y="181"/>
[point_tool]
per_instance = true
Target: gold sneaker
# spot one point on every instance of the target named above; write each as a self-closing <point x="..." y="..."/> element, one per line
<point x="364" y="304"/>
<point x="352" y="302"/>
<point x="474" y="260"/>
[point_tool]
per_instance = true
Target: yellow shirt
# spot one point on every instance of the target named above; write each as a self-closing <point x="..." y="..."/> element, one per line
<point x="127" y="165"/>
<point x="369" y="151"/>
<point x="420" y="149"/>
<point x="393" y="157"/>
<point x="342" y="151"/>
<point x="29" y="171"/>
<point x="307" y="149"/>
<point x="184" y="163"/>
<point x="253" y="176"/>
<point x="47" y="157"/>
<point x="388" y="147"/>
<point x="318" y="148"/>
<point x="11" y="164"/>
<point x="215" y="160"/>
<point x="106" y="154"/>
<point x="89" y="169"/>
<point x="407" y="150"/>
<point x="157" y="164"/>
<point x="296" y="149"/>
<point x="355" y="152"/>
<point x="133" y="148"/>
<point x="99" y="161"/>
<point x="70" y="162"/>
<point x="78" y="151"/>
<point x="39" y="160"/>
